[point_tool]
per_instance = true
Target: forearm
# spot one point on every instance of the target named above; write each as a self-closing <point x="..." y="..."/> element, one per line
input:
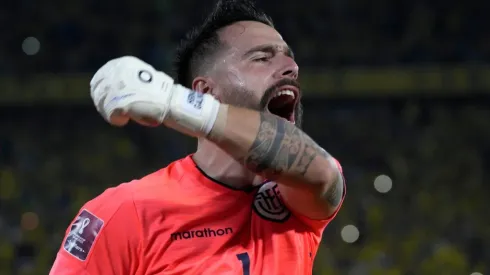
<point x="272" y="147"/>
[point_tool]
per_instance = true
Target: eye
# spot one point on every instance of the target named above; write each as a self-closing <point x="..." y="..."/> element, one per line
<point x="262" y="59"/>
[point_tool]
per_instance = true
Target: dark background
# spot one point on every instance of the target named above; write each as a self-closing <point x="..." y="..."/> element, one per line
<point x="393" y="88"/>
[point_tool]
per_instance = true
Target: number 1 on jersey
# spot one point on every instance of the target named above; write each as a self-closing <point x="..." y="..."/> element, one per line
<point x="245" y="259"/>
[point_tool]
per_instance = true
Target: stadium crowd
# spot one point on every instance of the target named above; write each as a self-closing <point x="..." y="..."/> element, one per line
<point x="434" y="219"/>
<point x="79" y="35"/>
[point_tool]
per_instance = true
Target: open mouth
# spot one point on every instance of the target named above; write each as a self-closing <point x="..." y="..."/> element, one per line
<point x="283" y="103"/>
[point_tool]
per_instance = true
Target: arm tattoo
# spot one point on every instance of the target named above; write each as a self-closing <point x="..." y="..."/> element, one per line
<point x="335" y="192"/>
<point x="280" y="147"/>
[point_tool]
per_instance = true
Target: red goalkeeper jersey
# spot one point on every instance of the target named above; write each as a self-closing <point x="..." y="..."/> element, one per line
<point x="179" y="221"/>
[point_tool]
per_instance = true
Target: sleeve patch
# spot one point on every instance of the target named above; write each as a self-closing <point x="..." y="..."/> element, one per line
<point x="82" y="235"/>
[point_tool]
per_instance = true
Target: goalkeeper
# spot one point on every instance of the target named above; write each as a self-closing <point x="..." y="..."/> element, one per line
<point x="255" y="196"/>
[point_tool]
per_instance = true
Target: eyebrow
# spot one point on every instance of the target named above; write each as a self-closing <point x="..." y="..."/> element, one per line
<point x="274" y="49"/>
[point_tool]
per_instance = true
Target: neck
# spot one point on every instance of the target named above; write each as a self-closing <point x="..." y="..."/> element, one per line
<point x="221" y="167"/>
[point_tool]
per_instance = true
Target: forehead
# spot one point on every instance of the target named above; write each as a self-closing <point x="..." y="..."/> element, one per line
<point x="244" y="35"/>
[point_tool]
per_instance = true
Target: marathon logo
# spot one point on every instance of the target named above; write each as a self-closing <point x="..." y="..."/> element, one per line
<point x="204" y="233"/>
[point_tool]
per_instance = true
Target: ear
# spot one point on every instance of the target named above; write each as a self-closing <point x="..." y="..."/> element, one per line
<point x="203" y="84"/>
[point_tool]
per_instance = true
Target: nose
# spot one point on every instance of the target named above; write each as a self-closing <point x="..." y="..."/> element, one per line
<point x="289" y="69"/>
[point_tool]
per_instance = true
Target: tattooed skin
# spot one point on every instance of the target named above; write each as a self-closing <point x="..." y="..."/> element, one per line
<point x="335" y="192"/>
<point x="282" y="147"/>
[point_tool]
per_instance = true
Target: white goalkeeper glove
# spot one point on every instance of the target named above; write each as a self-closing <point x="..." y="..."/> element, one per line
<point x="127" y="88"/>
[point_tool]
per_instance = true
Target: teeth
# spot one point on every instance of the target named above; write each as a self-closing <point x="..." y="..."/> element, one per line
<point x="285" y="92"/>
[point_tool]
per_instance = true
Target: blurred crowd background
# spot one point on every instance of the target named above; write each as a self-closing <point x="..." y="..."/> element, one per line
<point x="396" y="90"/>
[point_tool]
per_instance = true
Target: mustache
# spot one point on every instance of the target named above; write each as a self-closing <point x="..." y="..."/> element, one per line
<point x="272" y="89"/>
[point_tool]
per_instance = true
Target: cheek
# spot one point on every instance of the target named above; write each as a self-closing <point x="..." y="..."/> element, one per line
<point x="235" y="78"/>
<point x="238" y="90"/>
<point x="253" y="79"/>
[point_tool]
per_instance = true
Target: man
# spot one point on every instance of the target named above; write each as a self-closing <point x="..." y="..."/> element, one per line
<point x="255" y="196"/>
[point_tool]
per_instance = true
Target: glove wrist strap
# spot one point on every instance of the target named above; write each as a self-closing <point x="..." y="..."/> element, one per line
<point x="194" y="111"/>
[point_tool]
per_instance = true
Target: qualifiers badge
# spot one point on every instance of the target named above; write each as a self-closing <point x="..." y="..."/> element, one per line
<point x="82" y="235"/>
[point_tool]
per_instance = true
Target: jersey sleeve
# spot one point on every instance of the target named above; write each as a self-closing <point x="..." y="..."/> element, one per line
<point x="319" y="225"/>
<point x="104" y="238"/>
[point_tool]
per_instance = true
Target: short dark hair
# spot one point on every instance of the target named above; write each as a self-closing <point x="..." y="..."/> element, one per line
<point x="202" y="43"/>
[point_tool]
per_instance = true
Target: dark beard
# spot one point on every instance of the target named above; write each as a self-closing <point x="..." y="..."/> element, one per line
<point x="240" y="97"/>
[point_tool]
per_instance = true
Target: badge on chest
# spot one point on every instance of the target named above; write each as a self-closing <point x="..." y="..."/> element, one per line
<point x="268" y="203"/>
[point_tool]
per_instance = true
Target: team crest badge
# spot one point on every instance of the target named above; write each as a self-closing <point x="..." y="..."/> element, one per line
<point x="268" y="203"/>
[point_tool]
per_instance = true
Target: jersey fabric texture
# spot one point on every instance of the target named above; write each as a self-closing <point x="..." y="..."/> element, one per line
<point x="179" y="221"/>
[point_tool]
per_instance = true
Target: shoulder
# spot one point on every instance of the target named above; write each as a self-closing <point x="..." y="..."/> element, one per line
<point x="109" y="216"/>
<point x="152" y="183"/>
<point x="111" y="199"/>
<point x="149" y="189"/>
<point x="108" y="202"/>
